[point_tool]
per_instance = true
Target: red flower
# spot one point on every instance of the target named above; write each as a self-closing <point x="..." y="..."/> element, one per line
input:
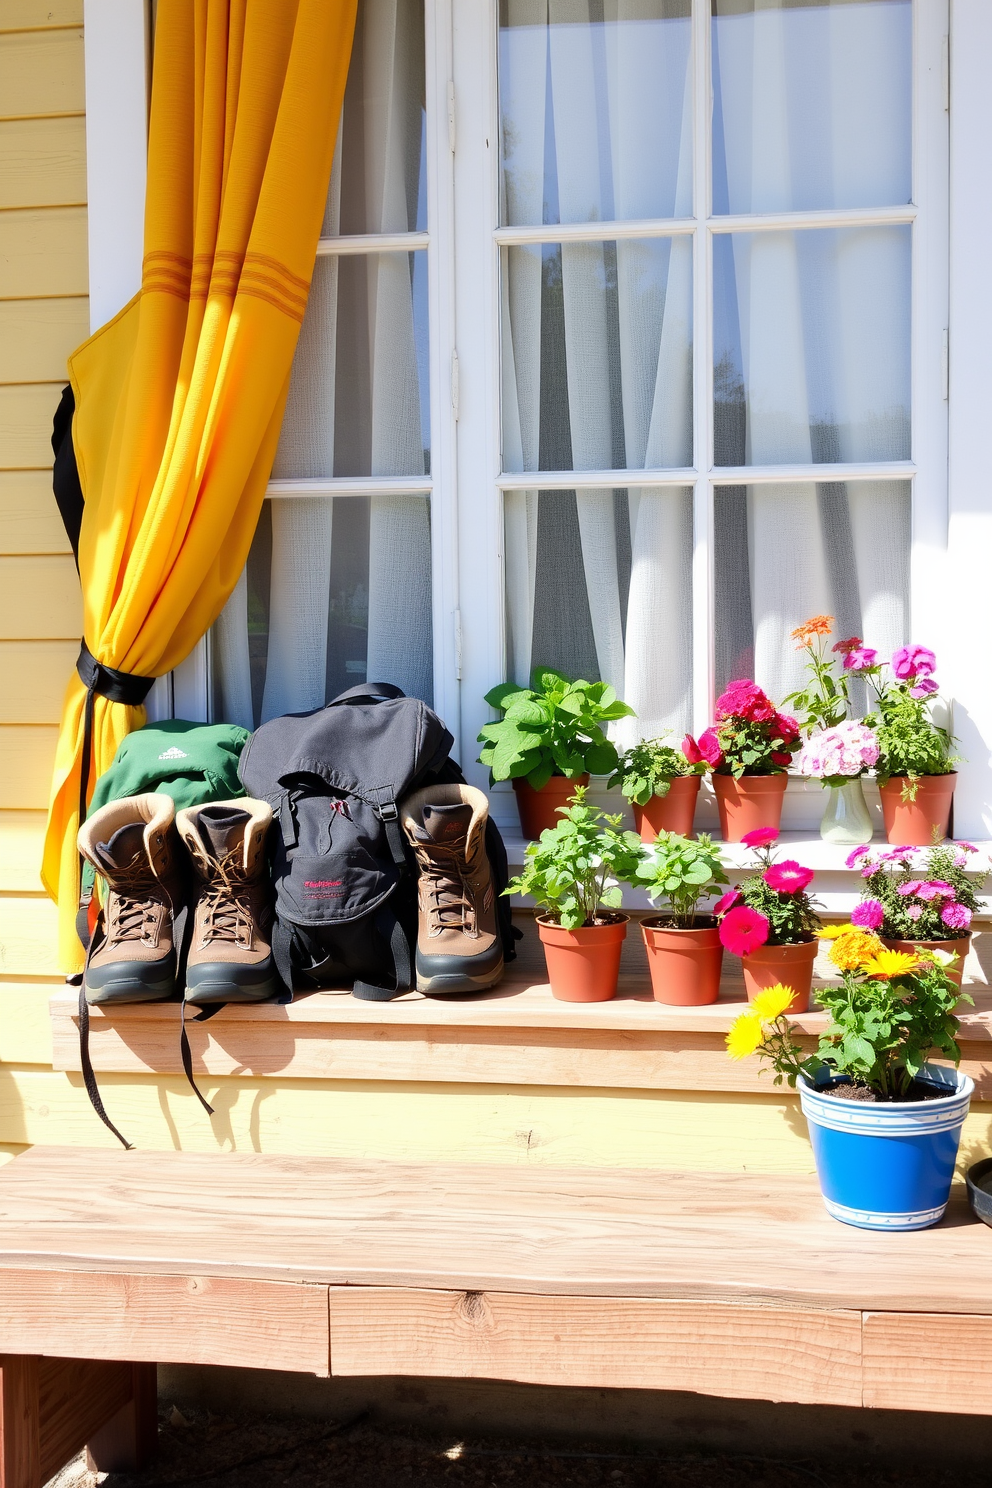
<point x="779" y="757"/>
<point x="745" y="700"/>
<point x="787" y="728"/>
<point x="743" y="930"/>
<point x="709" y="748"/>
<point x="691" y="750"/>
<point x="789" y="877"/>
<point x="728" y="901"/>
<point x="846" y="647"/>
<point x="760" y="837"/>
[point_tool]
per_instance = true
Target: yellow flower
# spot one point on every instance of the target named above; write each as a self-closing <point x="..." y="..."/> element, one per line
<point x="745" y="1035"/>
<point x="852" y="950"/>
<point x="891" y="964"/>
<point x="772" y="1002"/>
<point x="831" y="932"/>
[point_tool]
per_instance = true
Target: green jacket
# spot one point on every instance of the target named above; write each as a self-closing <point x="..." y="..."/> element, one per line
<point x="194" y="763"/>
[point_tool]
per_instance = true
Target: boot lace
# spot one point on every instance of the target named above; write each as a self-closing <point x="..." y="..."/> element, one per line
<point x="226" y="901"/>
<point x="135" y="898"/>
<point x="450" y="904"/>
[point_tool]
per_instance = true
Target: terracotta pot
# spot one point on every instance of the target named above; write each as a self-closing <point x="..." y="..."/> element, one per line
<point x="922" y="822"/>
<point x="792" y="965"/>
<point x="670" y="813"/>
<point x="583" y="965"/>
<point x="749" y="803"/>
<point x="685" y="965"/>
<point x="957" y="948"/>
<point x="539" y="809"/>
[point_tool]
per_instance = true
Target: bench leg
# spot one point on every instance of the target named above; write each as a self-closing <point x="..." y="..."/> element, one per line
<point x="127" y="1442"/>
<point x="20" y="1421"/>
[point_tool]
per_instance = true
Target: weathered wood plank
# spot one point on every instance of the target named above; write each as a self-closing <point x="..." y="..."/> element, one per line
<point x="29" y="518"/>
<point x="77" y="1398"/>
<point x="26" y="412"/>
<point x="181" y="1319"/>
<point x="42" y="161"/>
<point x="928" y="1361"/>
<point x="20" y="1422"/>
<point x="43" y="251"/>
<point x="36" y="337"/>
<point x="128" y="1441"/>
<point x="40" y="72"/>
<point x="28" y="937"/>
<point x="770" y="1353"/>
<point x="27" y="755"/>
<point x="35" y="675"/>
<point x="39" y="597"/>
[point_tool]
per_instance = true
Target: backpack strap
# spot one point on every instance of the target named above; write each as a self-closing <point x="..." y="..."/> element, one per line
<point x="389" y="923"/>
<point x="368" y="692"/>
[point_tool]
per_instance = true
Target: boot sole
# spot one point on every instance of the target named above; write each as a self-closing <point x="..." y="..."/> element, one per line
<point x="129" y="991"/>
<point x="208" y="992"/>
<point x="450" y="982"/>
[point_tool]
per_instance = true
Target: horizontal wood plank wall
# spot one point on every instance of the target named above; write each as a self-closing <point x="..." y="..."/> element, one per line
<point x="44" y="314"/>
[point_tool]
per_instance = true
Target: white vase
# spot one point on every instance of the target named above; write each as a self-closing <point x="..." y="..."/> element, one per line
<point x="846" y="820"/>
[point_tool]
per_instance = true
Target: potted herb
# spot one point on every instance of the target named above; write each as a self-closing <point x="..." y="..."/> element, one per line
<point x="749" y="750"/>
<point x="573" y="875"/>
<point x="552" y="735"/>
<point x="916" y="775"/>
<point x="770" y="922"/>
<point x="884" y="1123"/>
<point x="839" y="757"/>
<point x="661" y="785"/>
<point x="685" y="956"/>
<point x="918" y="899"/>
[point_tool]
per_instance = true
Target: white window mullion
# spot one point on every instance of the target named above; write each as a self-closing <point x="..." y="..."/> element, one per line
<point x="702" y="377"/>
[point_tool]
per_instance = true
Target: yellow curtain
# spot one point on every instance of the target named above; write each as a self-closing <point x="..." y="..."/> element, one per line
<point x="179" y="399"/>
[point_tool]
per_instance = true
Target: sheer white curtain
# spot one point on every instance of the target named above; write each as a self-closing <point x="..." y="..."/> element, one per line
<point x="614" y="97"/>
<point x="374" y="188"/>
<point x="814" y="103"/>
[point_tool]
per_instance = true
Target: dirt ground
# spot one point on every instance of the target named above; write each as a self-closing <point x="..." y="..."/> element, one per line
<point x="262" y="1452"/>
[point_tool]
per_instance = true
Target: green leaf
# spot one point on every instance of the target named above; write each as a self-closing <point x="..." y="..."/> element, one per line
<point x="500" y="697"/>
<point x="601" y="759"/>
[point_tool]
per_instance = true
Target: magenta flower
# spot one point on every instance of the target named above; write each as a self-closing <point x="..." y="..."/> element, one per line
<point x="956" y="916"/>
<point x="854" y="858"/>
<point x="789" y="877"/>
<point x="910" y="662"/>
<point x="868" y="915"/>
<point x="923" y="688"/>
<point x="930" y="891"/>
<point x="691" y="750"/>
<point x="966" y="846"/>
<point x="944" y="889"/>
<point x="760" y="837"/>
<point x="911" y="886"/>
<point x="744" y="699"/>
<point x="709" y="748"/>
<point x="861" y="659"/>
<point x="743" y="930"/>
<point x="726" y="903"/>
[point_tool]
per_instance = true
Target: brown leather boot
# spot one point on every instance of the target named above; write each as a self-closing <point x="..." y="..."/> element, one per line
<point x="458" y="943"/>
<point x="132" y="845"/>
<point x="230" y="955"/>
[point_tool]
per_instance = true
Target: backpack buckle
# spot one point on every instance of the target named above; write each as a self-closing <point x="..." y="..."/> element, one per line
<point x="387" y="811"/>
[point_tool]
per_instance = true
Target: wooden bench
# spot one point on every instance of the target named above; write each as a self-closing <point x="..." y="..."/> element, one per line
<point x="729" y="1285"/>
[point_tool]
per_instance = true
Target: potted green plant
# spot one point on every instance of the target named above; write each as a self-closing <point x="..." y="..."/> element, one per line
<point x="825" y="700"/>
<point x="918" y="899"/>
<point x="749" y="750"/>
<point x="661" y="785"/>
<point x="552" y="735"/>
<point x="574" y="874"/>
<point x="770" y="921"/>
<point x="884" y="1123"/>
<point x="915" y="768"/>
<point x="683" y="947"/>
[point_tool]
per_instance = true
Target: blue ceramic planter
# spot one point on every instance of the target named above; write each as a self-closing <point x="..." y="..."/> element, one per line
<point x="887" y="1167"/>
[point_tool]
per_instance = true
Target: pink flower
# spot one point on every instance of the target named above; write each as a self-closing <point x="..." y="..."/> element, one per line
<point x="851" y="644"/>
<point x="914" y="911"/>
<point x="869" y="914"/>
<point x="930" y="891"/>
<point x="956" y="916"/>
<point x="743" y="930"/>
<point x="910" y="887"/>
<point x="728" y="901"/>
<point x="966" y="846"/>
<point x="944" y="889"/>
<point x="910" y="662"/>
<point x="744" y="699"/>
<point x="760" y="837"/>
<point x="691" y="750"/>
<point x="923" y="688"/>
<point x="789" y="877"/>
<point x="898" y="854"/>
<point x="787" y="728"/>
<point x="861" y="659"/>
<point x="854" y="857"/>
<point x="709" y="748"/>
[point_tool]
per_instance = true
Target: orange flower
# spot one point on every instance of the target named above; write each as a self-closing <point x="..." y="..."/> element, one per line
<point x="817" y="625"/>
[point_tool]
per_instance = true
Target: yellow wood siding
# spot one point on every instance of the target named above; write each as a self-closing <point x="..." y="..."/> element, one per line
<point x="42" y="161"/>
<point x="41" y="72"/>
<point x="36" y="337"/>
<point x="43" y="252"/>
<point x="39" y="15"/>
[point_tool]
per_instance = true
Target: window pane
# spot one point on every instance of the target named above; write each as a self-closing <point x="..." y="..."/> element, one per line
<point x="786" y="552"/>
<point x="811" y="346"/>
<point x="597" y="355"/>
<point x="599" y="584"/>
<point x="595" y="110"/>
<point x="359" y="394"/>
<point x="335" y="592"/>
<point x="379" y="181"/>
<point x="811" y="104"/>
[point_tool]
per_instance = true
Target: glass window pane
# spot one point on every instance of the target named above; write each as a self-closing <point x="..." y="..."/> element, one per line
<point x="359" y="394"/>
<point x="595" y="110"/>
<point x="785" y="552"/>
<point x="335" y="592"/>
<point x="379" y="180"/>
<point x="599" y="585"/>
<point x="597" y="355"/>
<point x="812" y="346"/>
<point x="811" y="104"/>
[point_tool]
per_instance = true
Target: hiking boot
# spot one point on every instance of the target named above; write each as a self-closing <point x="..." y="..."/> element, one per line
<point x="230" y="954"/>
<point x="458" y="943"/>
<point x="132" y="845"/>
